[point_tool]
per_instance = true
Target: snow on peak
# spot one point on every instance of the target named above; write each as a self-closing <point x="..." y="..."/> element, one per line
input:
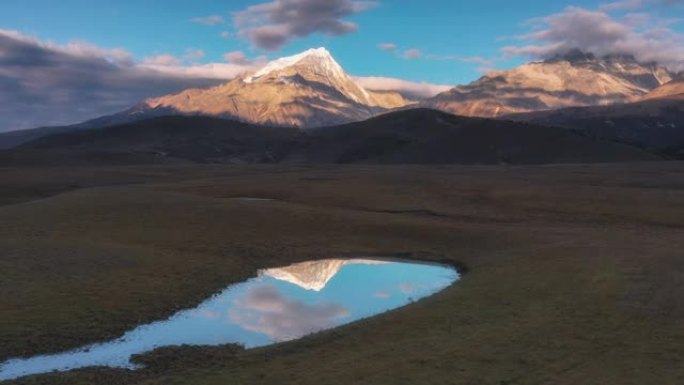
<point x="314" y="275"/>
<point x="322" y="56"/>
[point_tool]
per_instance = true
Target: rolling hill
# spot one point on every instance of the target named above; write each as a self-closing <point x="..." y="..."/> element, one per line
<point x="196" y="139"/>
<point x="652" y="123"/>
<point x="419" y="136"/>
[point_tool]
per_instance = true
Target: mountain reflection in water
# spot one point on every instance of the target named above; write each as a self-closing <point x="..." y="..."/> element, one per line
<point x="280" y="304"/>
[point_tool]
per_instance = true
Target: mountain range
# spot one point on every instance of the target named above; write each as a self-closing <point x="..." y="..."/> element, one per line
<point x="655" y="122"/>
<point x="574" y="79"/>
<point x="307" y="90"/>
<point x="275" y="113"/>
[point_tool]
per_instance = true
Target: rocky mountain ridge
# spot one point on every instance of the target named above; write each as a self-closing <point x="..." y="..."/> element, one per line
<point x="306" y="90"/>
<point x="574" y="79"/>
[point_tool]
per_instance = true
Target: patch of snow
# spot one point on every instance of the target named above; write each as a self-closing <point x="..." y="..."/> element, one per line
<point x="325" y="60"/>
<point x="322" y="63"/>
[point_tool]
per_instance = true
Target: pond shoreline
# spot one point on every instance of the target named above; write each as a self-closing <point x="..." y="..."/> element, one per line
<point x="309" y="283"/>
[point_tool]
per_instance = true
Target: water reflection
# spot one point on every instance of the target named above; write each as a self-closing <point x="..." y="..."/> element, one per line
<point x="266" y="311"/>
<point x="314" y="275"/>
<point x="280" y="304"/>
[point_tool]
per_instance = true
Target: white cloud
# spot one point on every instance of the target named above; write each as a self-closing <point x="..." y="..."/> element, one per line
<point x="407" y="288"/>
<point x="43" y="83"/>
<point x="405" y="87"/>
<point x="236" y="57"/>
<point x="387" y="46"/>
<point x="187" y="66"/>
<point x="79" y="49"/>
<point x="265" y="310"/>
<point x="161" y="60"/>
<point x="241" y="59"/>
<point x="646" y="38"/>
<point x="216" y="71"/>
<point x="631" y="5"/>
<point x="209" y="20"/>
<point x="484" y="65"/>
<point x="193" y="55"/>
<point x="622" y="5"/>
<point x="413" y="53"/>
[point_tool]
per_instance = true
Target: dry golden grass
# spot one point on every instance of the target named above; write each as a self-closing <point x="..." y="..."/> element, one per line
<point x="575" y="272"/>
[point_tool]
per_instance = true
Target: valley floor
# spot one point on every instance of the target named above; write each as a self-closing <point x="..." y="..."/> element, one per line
<point x="574" y="272"/>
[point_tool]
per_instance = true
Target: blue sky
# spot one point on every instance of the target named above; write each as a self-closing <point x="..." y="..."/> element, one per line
<point x="79" y="59"/>
<point x="436" y="27"/>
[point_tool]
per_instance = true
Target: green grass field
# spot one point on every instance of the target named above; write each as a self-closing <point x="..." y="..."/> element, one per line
<point x="575" y="273"/>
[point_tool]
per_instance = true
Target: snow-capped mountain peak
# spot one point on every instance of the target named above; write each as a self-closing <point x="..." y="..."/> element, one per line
<point x="316" y="66"/>
<point x="306" y="90"/>
<point x="321" y="57"/>
<point x="574" y="79"/>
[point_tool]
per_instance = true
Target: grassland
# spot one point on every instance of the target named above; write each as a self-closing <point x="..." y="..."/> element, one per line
<point x="575" y="273"/>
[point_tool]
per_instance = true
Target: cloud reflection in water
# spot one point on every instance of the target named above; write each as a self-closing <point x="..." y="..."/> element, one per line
<point x="280" y="304"/>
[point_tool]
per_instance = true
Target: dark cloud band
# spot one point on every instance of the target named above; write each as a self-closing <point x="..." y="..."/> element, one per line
<point x="270" y="26"/>
<point x="42" y="84"/>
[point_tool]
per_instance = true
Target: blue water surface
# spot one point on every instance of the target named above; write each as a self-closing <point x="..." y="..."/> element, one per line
<point x="280" y="304"/>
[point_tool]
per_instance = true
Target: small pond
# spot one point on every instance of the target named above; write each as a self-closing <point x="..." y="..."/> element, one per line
<point x="280" y="304"/>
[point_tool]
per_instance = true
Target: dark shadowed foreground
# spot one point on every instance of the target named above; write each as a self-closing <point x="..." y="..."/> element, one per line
<point x="418" y="136"/>
<point x="574" y="273"/>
